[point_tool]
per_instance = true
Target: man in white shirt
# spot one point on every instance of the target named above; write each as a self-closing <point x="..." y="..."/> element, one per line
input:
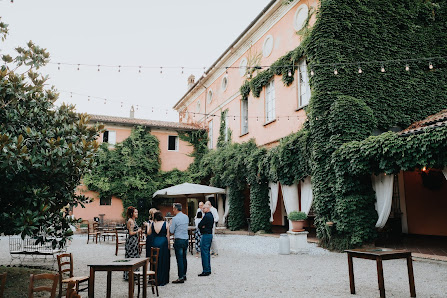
<point x="216" y="220"/>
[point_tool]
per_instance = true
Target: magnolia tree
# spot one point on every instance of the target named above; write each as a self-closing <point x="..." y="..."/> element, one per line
<point x="44" y="149"/>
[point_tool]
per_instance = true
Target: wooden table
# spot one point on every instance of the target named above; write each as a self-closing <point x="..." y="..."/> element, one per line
<point x="380" y="254"/>
<point x="120" y="265"/>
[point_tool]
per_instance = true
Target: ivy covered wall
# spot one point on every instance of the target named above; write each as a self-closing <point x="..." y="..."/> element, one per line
<point x="348" y="106"/>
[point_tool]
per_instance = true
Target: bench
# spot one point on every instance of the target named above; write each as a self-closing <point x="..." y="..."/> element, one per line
<point x="21" y="248"/>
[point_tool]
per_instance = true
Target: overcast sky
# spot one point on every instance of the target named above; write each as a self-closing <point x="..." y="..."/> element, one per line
<point x="175" y="33"/>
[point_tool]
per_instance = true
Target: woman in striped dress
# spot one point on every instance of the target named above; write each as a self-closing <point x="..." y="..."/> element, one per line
<point x="132" y="239"/>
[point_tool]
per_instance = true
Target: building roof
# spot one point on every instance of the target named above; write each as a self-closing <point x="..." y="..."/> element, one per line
<point x="436" y="120"/>
<point x="143" y="122"/>
<point x="228" y="50"/>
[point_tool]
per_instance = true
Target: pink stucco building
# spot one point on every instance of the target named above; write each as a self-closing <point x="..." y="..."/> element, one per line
<point x="174" y="154"/>
<point x="279" y="110"/>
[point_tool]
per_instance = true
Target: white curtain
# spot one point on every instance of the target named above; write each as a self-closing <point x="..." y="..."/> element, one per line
<point x="227" y="203"/>
<point x="273" y="198"/>
<point x="290" y="196"/>
<point x="445" y="172"/>
<point x="383" y="186"/>
<point x="306" y="195"/>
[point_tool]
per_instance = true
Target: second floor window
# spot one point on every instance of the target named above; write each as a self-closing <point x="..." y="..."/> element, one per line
<point x="210" y="134"/>
<point x="244" y="116"/>
<point x="109" y="137"/>
<point x="105" y="201"/>
<point x="303" y="84"/>
<point x="270" y="102"/>
<point x="172" y="143"/>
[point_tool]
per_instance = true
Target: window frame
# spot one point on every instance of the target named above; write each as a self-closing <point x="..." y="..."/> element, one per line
<point x="302" y="74"/>
<point x="270" y="99"/>
<point x="176" y="143"/>
<point x="110" y="133"/>
<point x="244" y="117"/>
<point x="210" y="134"/>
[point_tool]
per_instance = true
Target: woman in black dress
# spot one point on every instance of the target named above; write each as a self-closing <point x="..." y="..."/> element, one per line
<point x="148" y="234"/>
<point x="159" y="230"/>
<point x="132" y="239"/>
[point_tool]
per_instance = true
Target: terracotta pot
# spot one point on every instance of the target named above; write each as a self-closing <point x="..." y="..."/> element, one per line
<point x="298" y="225"/>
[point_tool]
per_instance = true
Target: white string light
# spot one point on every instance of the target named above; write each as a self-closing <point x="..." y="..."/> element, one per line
<point x="430" y="65"/>
<point x="382" y="69"/>
<point x="407" y="67"/>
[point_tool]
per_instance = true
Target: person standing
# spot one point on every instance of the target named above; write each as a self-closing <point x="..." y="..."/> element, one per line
<point x="216" y="220"/>
<point x="132" y="239"/>
<point x="206" y="229"/>
<point x="159" y="230"/>
<point x="197" y="235"/>
<point x="149" y="235"/>
<point x="179" y="228"/>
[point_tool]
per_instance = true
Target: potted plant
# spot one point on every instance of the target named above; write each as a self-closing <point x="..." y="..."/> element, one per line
<point x="297" y="218"/>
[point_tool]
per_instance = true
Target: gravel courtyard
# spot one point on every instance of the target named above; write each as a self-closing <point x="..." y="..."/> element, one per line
<point x="250" y="266"/>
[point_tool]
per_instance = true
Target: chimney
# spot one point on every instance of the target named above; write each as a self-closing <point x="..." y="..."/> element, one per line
<point x="132" y="112"/>
<point x="191" y="80"/>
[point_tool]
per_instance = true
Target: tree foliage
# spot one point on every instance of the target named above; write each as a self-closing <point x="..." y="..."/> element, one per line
<point x="44" y="149"/>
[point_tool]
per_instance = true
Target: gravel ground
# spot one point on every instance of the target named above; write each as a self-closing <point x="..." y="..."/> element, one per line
<point x="250" y="266"/>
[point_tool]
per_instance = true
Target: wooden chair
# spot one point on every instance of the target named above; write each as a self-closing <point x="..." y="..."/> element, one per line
<point x="2" y="283"/>
<point x="66" y="273"/>
<point x="71" y="292"/>
<point x="93" y="232"/>
<point x="118" y="242"/>
<point x="49" y="276"/>
<point x="141" y="241"/>
<point x="152" y="273"/>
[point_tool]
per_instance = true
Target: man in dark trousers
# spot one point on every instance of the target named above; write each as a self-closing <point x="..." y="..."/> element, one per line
<point x="179" y="228"/>
<point x="206" y="229"/>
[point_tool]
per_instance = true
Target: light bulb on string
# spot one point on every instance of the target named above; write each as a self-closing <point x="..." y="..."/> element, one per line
<point x="71" y="94"/>
<point x="226" y="70"/>
<point x="335" y="71"/>
<point x="152" y="109"/>
<point x="99" y="66"/>
<point x="88" y="98"/>
<point x="58" y="66"/>
<point x="137" y="107"/>
<point x="182" y="70"/>
<point x="166" y="112"/>
<point x="234" y="118"/>
<point x="78" y="66"/>
<point x="105" y="101"/>
<point x="161" y="70"/>
<point x="257" y="119"/>
<point x="360" y="70"/>
<point x="204" y="71"/>
<point x="119" y="68"/>
<point x="139" y="69"/>
<point x="288" y="118"/>
<point x="382" y="69"/>
<point x="407" y="67"/>
<point x="312" y="72"/>
<point x="289" y="73"/>
<point x="121" y="104"/>
<point x="430" y="65"/>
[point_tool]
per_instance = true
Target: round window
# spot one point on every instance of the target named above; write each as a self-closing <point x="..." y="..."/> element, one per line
<point x="210" y="96"/>
<point x="268" y="46"/>
<point x="198" y="107"/>
<point x="224" y="83"/>
<point x="243" y="66"/>
<point x="301" y="15"/>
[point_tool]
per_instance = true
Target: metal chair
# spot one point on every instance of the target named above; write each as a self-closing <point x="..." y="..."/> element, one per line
<point x="152" y="273"/>
<point x="66" y="269"/>
<point x="51" y="290"/>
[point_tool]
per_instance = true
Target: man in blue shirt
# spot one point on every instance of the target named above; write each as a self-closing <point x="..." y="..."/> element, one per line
<point x="179" y="228"/>
<point x="206" y="229"/>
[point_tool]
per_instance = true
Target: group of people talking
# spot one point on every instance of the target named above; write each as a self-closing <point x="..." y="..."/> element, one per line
<point x="158" y="233"/>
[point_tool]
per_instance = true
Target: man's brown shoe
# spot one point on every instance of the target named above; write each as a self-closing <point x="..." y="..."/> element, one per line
<point x="178" y="281"/>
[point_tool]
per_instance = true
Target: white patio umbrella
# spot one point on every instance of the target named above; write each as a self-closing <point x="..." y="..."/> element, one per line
<point x="188" y="190"/>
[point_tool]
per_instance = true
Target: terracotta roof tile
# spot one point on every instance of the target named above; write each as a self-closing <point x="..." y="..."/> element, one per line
<point x="436" y="120"/>
<point x="144" y="122"/>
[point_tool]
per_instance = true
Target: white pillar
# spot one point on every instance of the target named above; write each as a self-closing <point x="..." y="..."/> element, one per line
<point x="220" y="211"/>
<point x="298" y="242"/>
